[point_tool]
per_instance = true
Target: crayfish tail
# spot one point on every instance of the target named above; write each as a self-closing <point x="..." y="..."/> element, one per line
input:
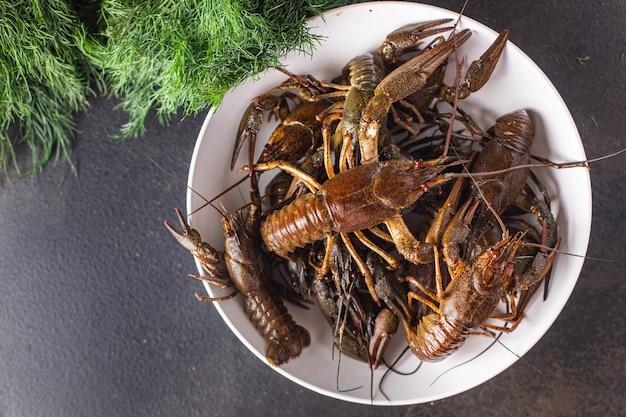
<point x="285" y="339"/>
<point x="436" y="337"/>
<point x="281" y="351"/>
<point x="302" y="222"/>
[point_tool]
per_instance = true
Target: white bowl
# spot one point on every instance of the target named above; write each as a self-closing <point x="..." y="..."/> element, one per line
<point x="517" y="83"/>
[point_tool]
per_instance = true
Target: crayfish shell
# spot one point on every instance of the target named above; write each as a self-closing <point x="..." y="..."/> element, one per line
<point x="285" y="339"/>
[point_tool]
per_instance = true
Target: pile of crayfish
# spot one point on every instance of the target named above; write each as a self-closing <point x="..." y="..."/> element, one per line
<point x="391" y="206"/>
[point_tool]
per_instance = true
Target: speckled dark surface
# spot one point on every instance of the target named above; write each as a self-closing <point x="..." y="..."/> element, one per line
<point x="98" y="319"/>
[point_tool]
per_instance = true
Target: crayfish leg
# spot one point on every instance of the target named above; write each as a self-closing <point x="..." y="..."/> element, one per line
<point x="367" y="274"/>
<point x="310" y="182"/>
<point x="205" y="299"/>
<point x="393" y="262"/>
<point x="427" y="297"/>
<point x="445" y="213"/>
<point x="413" y="250"/>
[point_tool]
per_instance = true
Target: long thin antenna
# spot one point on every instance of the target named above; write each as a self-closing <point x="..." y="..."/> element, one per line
<point x="544" y="163"/>
<point x="206" y="201"/>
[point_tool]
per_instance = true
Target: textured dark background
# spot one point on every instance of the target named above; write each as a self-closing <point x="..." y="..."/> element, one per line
<point x="98" y="319"/>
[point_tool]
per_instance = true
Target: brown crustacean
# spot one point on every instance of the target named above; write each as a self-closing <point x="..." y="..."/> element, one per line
<point x="249" y="269"/>
<point x="467" y="303"/>
<point x="479" y="281"/>
<point x="357" y="199"/>
<point x="494" y="194"/>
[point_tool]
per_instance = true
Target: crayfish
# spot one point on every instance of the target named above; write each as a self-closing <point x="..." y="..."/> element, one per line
<point x="249" y="269"/>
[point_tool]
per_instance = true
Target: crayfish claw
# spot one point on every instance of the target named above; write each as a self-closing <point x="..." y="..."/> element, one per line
<point x="407" y="38"/>
<point x="479" y="71"/>
<point x="188" y="237"/>
<point x="191" y="240"/>
<point x="385" y="327"/>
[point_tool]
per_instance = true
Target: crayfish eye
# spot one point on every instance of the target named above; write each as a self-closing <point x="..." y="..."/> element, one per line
<point x="493" y="253"/>
<point x="418" y="164"/>
<point x="426" y="186"/>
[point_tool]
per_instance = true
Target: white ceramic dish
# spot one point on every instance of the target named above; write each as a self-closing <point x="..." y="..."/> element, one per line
<point x="517" y="83"/>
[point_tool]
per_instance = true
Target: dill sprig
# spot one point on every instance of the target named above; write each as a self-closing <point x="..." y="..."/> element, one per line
<point x="187" y="54"/>
<point x="168" y="56"/>
<point x="44" y="79"/>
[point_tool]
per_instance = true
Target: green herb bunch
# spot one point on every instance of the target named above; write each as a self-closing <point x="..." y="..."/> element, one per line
<point x="172" y="56"/>
<point x="187" y="54"/>
<point x="44" y="79"/>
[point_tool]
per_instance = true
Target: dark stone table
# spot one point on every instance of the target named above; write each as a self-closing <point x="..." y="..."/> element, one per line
<point x="97" y="317"/>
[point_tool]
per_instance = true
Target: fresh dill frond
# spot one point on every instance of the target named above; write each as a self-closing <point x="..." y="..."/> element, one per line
<point x="44" y="80"/>
<point x="168" y="56"/>
<point x="187" y="54"/>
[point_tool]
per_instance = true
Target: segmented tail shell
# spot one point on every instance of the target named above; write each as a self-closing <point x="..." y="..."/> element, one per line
<point x="285" y="339"/>
<point x="515" y="130"/>
<point x="436" y="337"/>
<point x="366" y="71"/>
<point x="303" y="221"/>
